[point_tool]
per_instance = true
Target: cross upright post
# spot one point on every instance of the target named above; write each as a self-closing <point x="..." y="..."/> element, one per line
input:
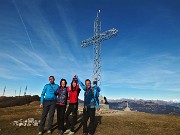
<point x="96" y="41"/>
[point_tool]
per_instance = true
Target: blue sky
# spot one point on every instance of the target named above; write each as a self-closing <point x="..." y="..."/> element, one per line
<point x="142" y="61"/>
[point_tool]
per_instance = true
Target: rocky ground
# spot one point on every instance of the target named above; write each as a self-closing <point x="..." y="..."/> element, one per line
<point x="108" y="122"/>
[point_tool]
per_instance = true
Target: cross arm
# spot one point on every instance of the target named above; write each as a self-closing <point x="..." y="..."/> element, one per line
<point x="99" y="38"/>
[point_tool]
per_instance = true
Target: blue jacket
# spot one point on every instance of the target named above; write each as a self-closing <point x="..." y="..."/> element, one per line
<point x="90" y="95"/>
<point x="48" y="92"/>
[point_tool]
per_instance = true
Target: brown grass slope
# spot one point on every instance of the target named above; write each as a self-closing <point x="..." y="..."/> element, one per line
<point x="107" y="123"/>
<point x="17" y="101"/>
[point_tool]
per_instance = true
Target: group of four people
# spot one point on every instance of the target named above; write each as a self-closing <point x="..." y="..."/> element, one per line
<point x="55" y="96"/>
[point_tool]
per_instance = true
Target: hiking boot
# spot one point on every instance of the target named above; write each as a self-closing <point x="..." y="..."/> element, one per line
<point x="49" y="131"/>
<point x="67" y="131"/>
<point x="85" y="133"/>
<point x="40" y="133"/>
<point x="71" y="133"/>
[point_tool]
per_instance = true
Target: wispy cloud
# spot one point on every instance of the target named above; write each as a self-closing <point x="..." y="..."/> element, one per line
<point x="18" y="64"/>
<point x="22" y="20"/>
<point x="55" y="36"/>
<point x="6" y="74"/>
<point x="50" y="37"/>
<point x="70" y="30"/>
<point x="52" y="55"/>
<point x="155" y="73"/>
<point x="35" y="59"/>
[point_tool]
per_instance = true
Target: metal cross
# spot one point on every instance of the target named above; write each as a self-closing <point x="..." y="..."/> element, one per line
<point x="96" y="41"/>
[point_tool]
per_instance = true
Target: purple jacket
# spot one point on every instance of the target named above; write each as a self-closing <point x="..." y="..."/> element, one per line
<point x="62" y="95"/>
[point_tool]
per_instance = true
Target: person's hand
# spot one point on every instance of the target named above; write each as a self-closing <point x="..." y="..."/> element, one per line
<point x="98" y="109"/>
<point x="41" y="106"/>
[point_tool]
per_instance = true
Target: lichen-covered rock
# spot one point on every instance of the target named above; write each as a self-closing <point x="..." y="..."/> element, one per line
<point x="21" y="124"/>
<point x="30" y="120"/>
<point x="15" y="123"/>
<point x="35" y="124"/>
<point x="39" y="121"/>
<point x="27" y="122"/>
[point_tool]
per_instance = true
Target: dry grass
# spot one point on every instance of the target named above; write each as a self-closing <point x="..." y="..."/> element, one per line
<point x="118" y="123"/>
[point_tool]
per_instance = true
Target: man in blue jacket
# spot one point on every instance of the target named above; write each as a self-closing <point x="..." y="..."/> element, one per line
<point x="91" y="103"/>
<point x="48" y="103"/>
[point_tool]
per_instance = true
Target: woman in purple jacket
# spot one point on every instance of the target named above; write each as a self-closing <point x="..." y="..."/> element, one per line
<point x="62" y="95"/>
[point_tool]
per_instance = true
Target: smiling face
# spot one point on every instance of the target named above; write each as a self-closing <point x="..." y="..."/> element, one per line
<point x="51" y="80"/>
<point x="74" y="84"/>
<point x="63" y="84"/>
<point x="88" y="84"/>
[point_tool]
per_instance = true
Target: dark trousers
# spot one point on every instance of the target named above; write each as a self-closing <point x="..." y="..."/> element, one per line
<point x="48" y="106"/>
<point x="60" y="116"/>
<point x="88" y="113"/>
<point x="72" y="108"/>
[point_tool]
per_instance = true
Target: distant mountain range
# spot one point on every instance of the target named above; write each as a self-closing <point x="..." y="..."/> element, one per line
<point x="149" y="106"/>
<point x="141" y="105"/>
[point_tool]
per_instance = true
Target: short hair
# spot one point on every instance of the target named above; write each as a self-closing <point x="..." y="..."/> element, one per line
<point x="51" y="76"/>
<point x="87" y="80"/>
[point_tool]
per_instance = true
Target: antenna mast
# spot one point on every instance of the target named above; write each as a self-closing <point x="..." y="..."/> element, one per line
<point x="25" y="91"/>
<point x="4" y="91"/>
<point x="20" y="91"/>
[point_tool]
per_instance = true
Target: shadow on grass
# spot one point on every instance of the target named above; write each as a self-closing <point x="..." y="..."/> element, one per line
<point x="54" y="126"/>
<point x="79" y="123"/>
<point x="97" y="122"/>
